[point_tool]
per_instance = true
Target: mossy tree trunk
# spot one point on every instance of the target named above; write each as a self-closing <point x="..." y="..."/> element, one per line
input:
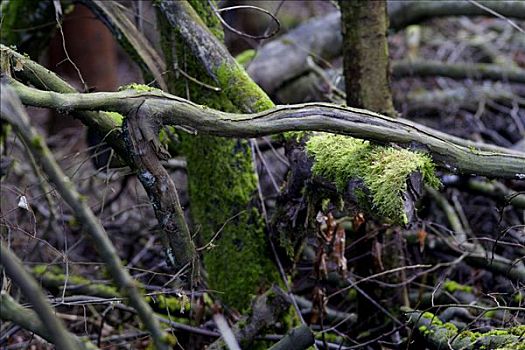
<point x="365" y="55"/>
<point x="222" y="181"/>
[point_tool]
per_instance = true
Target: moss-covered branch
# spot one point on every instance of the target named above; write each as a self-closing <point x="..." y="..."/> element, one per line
<point x="42" y="78"/>
<point x="107" y="124"/>
<point x="453" y="153"/>
<point x="238" y="87"/>
<point x="440" y="335"/>
<point x="222" y="179"/>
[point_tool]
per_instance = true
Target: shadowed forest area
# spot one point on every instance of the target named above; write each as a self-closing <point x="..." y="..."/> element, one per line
<point x="227" y="174"/>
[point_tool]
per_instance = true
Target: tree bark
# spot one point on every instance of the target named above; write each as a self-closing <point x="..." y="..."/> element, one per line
<point x="365" y="55"/>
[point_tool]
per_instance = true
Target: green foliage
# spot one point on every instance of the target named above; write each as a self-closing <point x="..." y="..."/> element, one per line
<point x="384" y="170"/>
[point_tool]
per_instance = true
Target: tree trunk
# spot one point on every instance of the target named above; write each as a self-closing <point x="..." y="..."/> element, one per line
<point x="365" y="55"/>
<point x="366" y="68"/>
<point x="222" y="182"/>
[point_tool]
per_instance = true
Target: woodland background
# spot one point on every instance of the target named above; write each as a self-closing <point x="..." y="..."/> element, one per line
<point x="262" y="230"/>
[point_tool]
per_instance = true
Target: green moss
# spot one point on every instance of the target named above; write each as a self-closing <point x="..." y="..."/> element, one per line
<point x="242" y="91"/>
<point x="453" y="286"/>
<point x="490" y="314"/>
<point x="352" y="294"/>
<point x="138" y="87"/>
<point x="221" y="187"/>
<point x="222" y="181"/>
<point x="38" y="143"/>
<point x="291" y="319"/>
<point x="442" y="332"/>
<point x="424" y="330"/>
<point x="384" y="170"/>
<point x="519" y="297"/>
<point x="52" y="276"/>
<point x="245" y="57"/>
<point x="116" y="117"/>
<point x="168" y="338"/>
<point x="209" y="18"/>
<point x="170" y="303"/>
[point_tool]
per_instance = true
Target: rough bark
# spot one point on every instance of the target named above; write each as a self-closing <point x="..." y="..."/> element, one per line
<point x="365" y="55"/>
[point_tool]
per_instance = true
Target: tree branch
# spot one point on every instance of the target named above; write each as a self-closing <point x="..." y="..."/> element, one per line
<point x="457" y="70"/>
<point x="28" y="319"/>
<point x="141" y="135"/>
<point x="102" y="122"/>
<point x="13" y="112"/>
<point x="14" y="268"/>
<point x="453" y="153"/>
<point x="441" y="335"/>
<point x="404" y="13"/>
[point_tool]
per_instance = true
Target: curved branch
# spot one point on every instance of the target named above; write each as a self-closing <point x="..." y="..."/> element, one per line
<point x="102" y="122"/>
<point x="453" y="153"/>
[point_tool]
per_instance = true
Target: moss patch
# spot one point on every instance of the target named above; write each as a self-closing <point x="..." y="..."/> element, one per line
<point x="384" y="170"/>
<point x="138" y="87"/>
<point x="116" y="117"/>
<point x="245" y="57"/>
<point x="453" y="286"/>
<point x="239" y="87"/>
